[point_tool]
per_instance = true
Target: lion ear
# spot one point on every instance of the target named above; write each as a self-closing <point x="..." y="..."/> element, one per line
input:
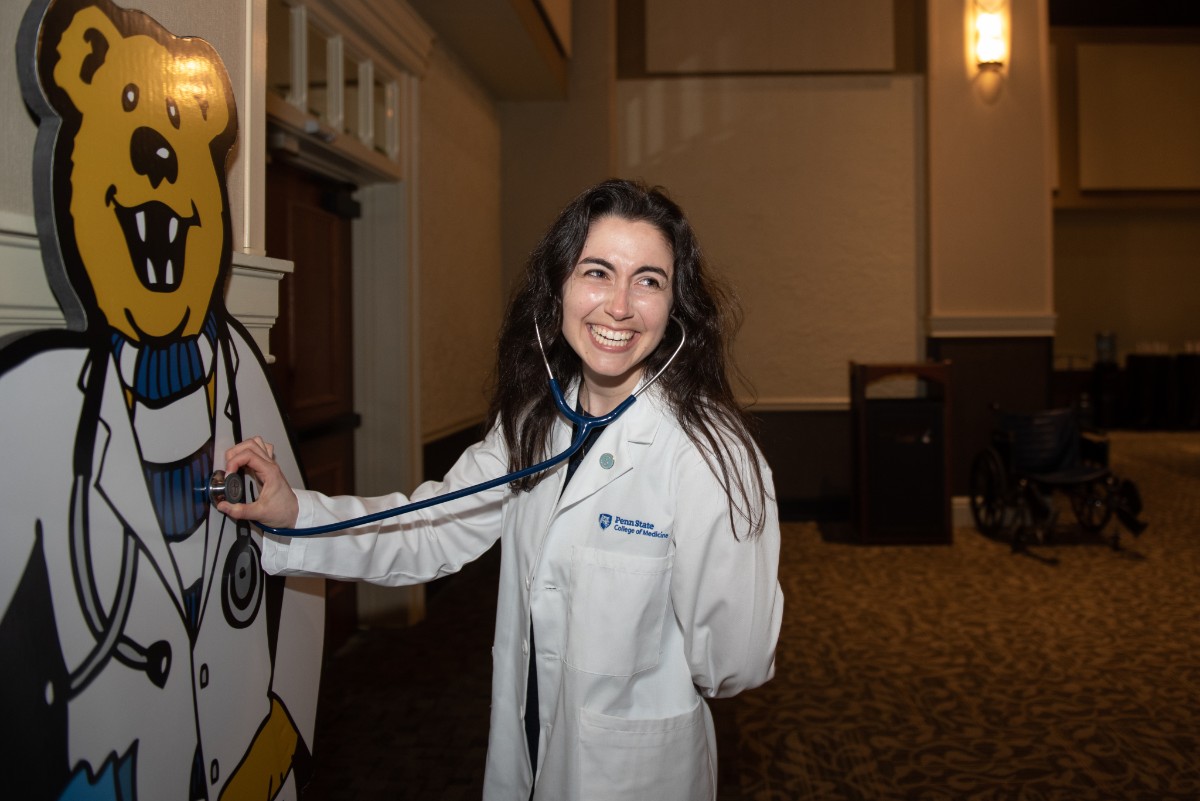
<point x="83" y="50"/>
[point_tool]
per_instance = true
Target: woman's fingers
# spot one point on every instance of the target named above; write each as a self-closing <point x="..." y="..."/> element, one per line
<point x="240" y="454"/>
<point x="276" y="504"/>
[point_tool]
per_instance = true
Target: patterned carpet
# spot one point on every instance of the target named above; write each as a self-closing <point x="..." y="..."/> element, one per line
<point x="959" y="672"/>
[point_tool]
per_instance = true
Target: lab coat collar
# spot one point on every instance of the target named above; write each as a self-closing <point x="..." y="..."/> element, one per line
<point x="128" y="496"/>
<point x="626" y="441"/>
<point x="115" y="452"/>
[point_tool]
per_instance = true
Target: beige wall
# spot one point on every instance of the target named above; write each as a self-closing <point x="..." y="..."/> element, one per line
<point x="804" y="183"/>
<point x="805" y="193"/>
<point x="221" y="22"/>
<point x="1139" y="116"/>
<point x="989" y="176"/>
<point x="1128" y="119"/>
<point x="17" y="129"/>
<point x="553" y="150"/>
<point x="717" y="36"/>
<point x="1130" y="272"/>
<point x="458" y="221"/>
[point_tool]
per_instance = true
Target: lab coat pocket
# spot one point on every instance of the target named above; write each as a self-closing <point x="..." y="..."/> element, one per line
<point x="615" y="616"/>
<point x="665" y="759"/>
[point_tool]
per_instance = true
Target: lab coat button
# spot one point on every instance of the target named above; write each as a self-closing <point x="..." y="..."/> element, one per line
<point x="606" y="461"/>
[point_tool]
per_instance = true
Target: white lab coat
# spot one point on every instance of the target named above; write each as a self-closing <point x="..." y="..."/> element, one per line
<point x="219" y="686"/>
<point x="643" y="603"/>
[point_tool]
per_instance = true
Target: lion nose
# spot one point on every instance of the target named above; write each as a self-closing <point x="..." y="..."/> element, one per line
<point x="153" y="156"/>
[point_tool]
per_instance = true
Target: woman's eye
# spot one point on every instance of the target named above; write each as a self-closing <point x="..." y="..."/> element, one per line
<point x="651" y="282"/>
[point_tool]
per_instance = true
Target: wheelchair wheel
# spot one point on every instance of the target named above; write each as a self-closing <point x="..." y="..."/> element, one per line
<point x="1092" y="505"/>
<point x="989" y="491"/>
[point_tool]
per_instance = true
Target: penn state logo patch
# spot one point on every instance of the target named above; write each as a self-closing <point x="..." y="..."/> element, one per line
<point x="605" y="521"/>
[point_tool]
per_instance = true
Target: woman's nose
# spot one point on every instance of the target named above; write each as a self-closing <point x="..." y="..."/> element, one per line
<point x="618" y="303"/>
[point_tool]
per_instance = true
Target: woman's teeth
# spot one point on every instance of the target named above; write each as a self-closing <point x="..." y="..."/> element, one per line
<point x="607" y="336"/>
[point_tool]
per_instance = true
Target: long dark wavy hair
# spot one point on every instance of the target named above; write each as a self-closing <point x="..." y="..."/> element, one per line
<point x="696" y="385"/>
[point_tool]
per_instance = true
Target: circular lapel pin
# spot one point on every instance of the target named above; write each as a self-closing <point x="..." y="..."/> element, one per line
<point x="606" y="461"/>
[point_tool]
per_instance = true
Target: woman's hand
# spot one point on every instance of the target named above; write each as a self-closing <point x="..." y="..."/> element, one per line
<point x="276" y="505"/>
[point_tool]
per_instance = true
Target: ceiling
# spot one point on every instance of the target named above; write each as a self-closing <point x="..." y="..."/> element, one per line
<point x="507" y="44"/>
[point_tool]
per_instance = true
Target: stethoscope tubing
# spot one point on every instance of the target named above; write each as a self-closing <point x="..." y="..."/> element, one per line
<point x="584" y="425"/>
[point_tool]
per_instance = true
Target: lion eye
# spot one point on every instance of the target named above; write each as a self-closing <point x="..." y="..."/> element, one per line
<point x="173" y="112"/>
<point x="129" y="97"/>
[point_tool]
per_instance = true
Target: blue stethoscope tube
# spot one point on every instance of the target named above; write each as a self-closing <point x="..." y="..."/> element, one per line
<point x="583" y="423"/>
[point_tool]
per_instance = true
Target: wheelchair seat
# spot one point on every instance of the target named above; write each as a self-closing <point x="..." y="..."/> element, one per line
<point x="1047" y="447"/>
<point x="1034" y="456"/>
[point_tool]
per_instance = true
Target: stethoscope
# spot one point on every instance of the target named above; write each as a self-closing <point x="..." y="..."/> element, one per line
<point x="242" y="584"/>
<point x="221" y="485"/>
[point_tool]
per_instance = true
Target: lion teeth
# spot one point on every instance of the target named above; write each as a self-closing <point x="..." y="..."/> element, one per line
<point x="173" y="229"/>
<point x="151" y="276"/>
<point x="170" y="273"/>
<point x="141" y="224"/>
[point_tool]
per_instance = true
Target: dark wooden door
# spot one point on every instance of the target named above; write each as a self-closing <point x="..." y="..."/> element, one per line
<point x="308" y="223"/>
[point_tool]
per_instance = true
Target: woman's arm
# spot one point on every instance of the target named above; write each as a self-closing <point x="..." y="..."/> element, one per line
<point x="725" y="590"/>
<point x="413" y="548"/>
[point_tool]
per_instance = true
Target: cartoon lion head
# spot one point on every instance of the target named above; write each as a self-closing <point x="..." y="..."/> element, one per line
<point x="135" y="128"/>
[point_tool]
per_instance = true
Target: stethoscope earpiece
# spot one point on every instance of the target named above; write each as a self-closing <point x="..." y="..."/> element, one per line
<point x="225" y="487"/>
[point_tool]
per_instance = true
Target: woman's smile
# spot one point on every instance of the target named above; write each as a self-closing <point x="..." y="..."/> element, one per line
<point x="608" y="337"/>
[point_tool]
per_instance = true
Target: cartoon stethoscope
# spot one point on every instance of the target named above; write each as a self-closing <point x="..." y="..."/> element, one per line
<point x="242" y="581"/>
<point x="231" y="487"/>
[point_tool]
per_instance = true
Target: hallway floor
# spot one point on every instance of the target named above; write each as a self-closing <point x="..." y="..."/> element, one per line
<point x="935" y="672"/>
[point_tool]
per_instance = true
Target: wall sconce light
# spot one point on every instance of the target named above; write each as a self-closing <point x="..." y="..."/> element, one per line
<point x="989" y="33"/>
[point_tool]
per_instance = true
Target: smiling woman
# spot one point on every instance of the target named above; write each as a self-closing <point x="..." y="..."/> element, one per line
<point x="616" y="305"/>
<point x="633" y="585"/>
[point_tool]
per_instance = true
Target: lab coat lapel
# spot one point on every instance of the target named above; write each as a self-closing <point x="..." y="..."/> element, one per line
<point x="225" y="435"/>
<point x="115" y="454"/>
<point x="621" y="446"/>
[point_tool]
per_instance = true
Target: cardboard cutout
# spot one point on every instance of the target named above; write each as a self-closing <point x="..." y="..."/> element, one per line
<point x="143" y="651"/>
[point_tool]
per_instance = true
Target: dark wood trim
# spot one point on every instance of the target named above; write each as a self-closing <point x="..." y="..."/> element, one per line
<point x="340" y="424"/>
<point x="1009" y="373"/>
<point x="439" y="455"/>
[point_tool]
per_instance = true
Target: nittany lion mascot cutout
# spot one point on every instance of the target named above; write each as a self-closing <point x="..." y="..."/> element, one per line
<point x="143" y="652"/>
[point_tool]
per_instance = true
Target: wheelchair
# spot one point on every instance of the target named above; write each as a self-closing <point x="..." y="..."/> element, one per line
<point x="1032" y="458"/>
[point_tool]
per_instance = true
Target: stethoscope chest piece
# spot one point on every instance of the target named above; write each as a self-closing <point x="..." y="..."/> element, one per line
<point x="225" y="487"/>
<point x="242" y="581"/>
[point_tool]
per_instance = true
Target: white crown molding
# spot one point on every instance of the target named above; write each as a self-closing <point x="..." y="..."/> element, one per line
<point x="980" y="326"/>
<point x="27" y="304"/>
<point x="20" y="224"/>
<point x="796" y="403"/>
<point x="389" y="32"/>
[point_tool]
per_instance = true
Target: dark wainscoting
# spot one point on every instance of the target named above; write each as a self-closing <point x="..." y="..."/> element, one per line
<point x="441" y="454"/>
<point x="810" y="456"/>
<point x="1012" y="373"/>
<point x="810" y="451"/>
